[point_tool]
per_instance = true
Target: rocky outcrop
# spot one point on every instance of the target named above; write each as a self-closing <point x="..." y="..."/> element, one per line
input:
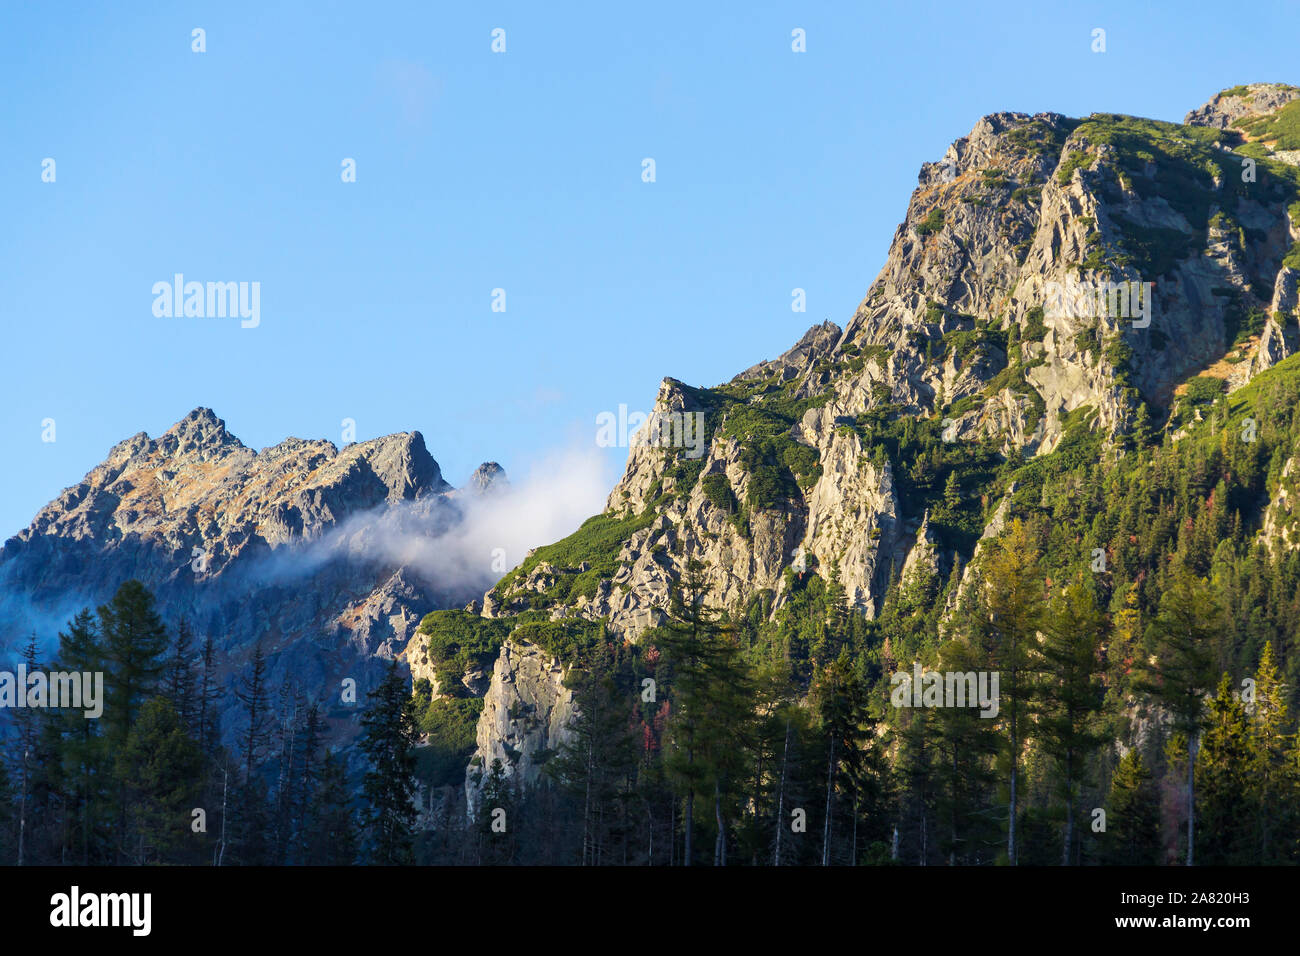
<point x="1225" y="109"/>
<point x="488" y="476"/>
<point x="526" y="716"/>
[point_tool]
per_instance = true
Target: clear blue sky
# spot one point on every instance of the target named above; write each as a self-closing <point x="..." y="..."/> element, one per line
<point x="477" y="171"/>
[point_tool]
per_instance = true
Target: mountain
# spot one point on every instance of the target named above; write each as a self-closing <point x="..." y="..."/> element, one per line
<point x="321" y="555"/>
<point x="1056" y="444"/>
<point x="967" y="389"/>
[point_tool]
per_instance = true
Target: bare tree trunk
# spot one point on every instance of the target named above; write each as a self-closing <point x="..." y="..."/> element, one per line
<point x="830" y="789"/>
<point x="221" y="843"/>
<point x="1011" y="823"/>
<point x="1069" y="809"/>
<point x="1191" y="796"/>
<point x="780" y="798"/>
<point x="853" y="856"/>
<point x="720" y="844"/>
<point x="586" y="809"/>
<point x="22" y="808"/>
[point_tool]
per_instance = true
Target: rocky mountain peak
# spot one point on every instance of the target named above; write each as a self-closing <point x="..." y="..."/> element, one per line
<point x="199" y="432"/>
<point x="488" y="476"/>
<point x="1227" y="108"/>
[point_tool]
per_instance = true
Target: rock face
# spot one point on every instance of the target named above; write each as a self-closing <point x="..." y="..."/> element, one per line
<point x="526" y="715"/>
<point x="976" y="324"/>
<point x="1225" y="109"/>
<point x="287" y="546"/>
<point x="488" y="476"/>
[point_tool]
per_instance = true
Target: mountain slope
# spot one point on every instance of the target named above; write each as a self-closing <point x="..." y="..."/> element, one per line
<point x="886" y="452"/>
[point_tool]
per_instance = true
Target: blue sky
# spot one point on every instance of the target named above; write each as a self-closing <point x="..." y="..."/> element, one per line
<point x="479" y="170"/>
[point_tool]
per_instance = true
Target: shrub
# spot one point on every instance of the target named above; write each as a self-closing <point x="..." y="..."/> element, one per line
<point x="932" y="223"/>
<point x="1071" y="163"/>
<point x="718" y="490"/>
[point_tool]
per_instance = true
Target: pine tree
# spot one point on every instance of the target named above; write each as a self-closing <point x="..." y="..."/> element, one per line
<point x="161" y="765"/>
<point x="709" y="726"/>
<point x="388" y="739"/>
<point x="1274" y="779"/>
<point x="208" y="718"/>
<point x="1132" y="836"/>
<point x="1224" y="768"/>
<point x="135" y="645"/>
<point x="963" y="745"/>
<point x="841" y="706"/>
<point x="250" y="835"/>
<point x="1071" y="696"/>
<point x="1013" y="606"/>
<point x="497" y="817"/>
<point x="26" y="758"/>
<point x="82" y="749"/>
<point x="255" y="697"/>
<point x="598" y="759"/>
<point x="179" y="679"/>
<point x="330" y="837"/>
<point x="1185" y="632"/>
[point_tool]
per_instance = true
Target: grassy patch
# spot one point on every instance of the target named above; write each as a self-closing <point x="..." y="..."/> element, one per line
<point x="1281" y="127"/>
<point x="451" y="726"/>
<point x="458" y="641"/>
<point x="932" y="223"/>
<point x="1074" y="161"/>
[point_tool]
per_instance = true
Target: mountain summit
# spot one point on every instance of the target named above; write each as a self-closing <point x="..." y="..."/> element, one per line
<point x="1059" y="291"/>
<point x="291" y="547"/>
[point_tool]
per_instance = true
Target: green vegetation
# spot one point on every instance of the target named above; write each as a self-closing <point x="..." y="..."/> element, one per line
<point x="1281" y="128"/>
<point x="932" y="223"/>
<point x="457" y="642"/>
<point x="993" y="178"/>
<point x="450" y="725"/>
<point x="1204" y="390"/>
<point x="597" y="542"/>
<point x="1152" y="250"/>
<point x="1075" y="160"/>
<point x="718" y="490"/>
<point x="1035" y="329"/>
<point x="569" y="641"/>
<point x="970" y="343"/>
<point x="1041" y="139"/>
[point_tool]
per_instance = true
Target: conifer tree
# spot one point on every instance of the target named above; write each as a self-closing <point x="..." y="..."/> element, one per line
<point x="1132" y="836"/>
<point x="135" y="645"/>
<point x="179" y="679"/>
<point x="964" y="746"/>
<point x="710" y="694"/>
<point x="82" y="748"/>
<point x="161" y="765"/>
<point x="1071" y="696"/>
<point x="1013" y="606"/>
<point x="330" y="837"/>
<point x="1224" y="769"/>
<point x="1274" y="778"/>
<point x="594" y="765"/>
<point x="1184" y="633"/>
<point x="387" y="740"/>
